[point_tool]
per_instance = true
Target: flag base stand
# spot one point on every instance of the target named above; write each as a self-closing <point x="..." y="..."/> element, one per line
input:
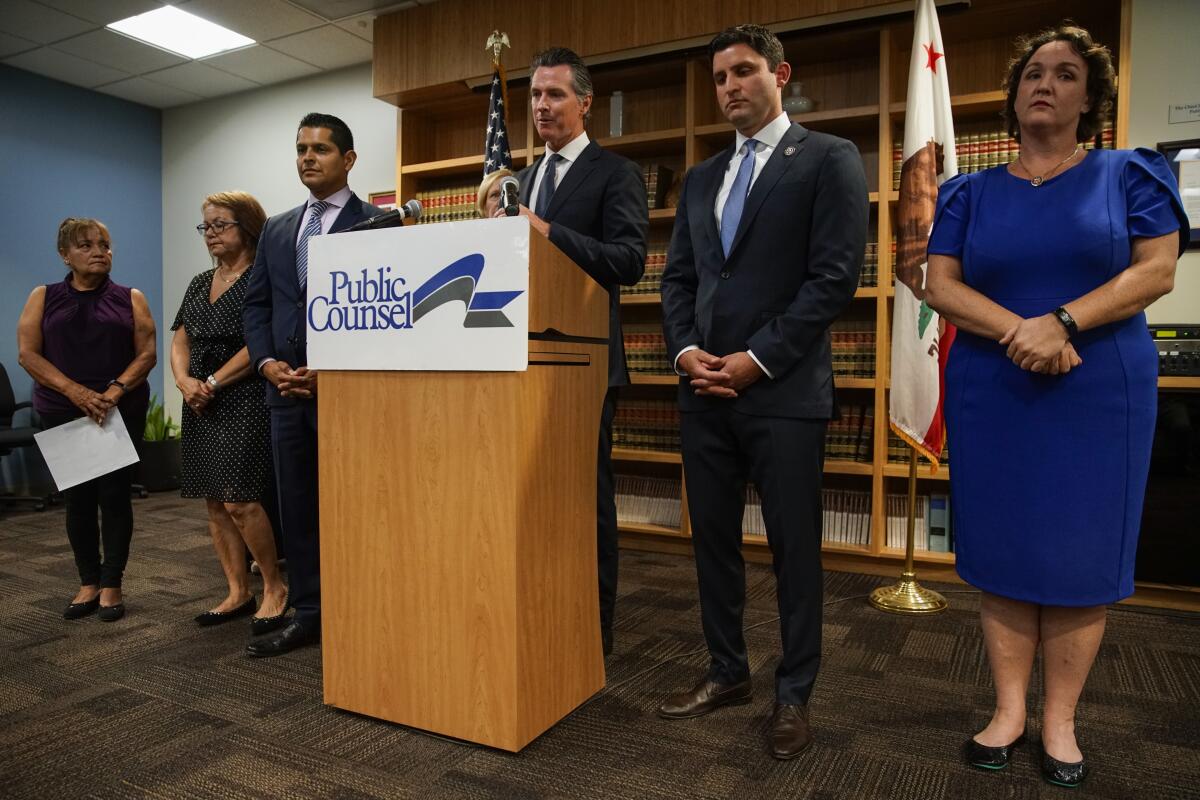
<point x="908" y="596"/>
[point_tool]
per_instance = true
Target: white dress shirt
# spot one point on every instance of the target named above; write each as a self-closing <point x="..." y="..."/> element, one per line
<point x="767" y="139"/>
<point x="570" y="152"/>
<point x="337" y="201"/>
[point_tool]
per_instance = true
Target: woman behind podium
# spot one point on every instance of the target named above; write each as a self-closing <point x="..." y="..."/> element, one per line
<point x="1045" y="265"/>
<point x="89" y="343"/>
<point x="226" y="424"/>
<point x="487" y="200"/>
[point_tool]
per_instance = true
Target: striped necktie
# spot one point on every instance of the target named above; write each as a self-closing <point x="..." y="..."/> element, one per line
<point x="313" y="228"/>
<point x="731" y="215"/>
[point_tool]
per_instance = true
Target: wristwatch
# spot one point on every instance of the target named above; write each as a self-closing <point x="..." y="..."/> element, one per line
<point x="1067" y="321"/>
<point x="212" y="381"/>
<point x="116" y="383"/>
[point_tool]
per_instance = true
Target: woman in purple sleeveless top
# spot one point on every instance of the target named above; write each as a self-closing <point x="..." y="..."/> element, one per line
<point x="89" y="344"/>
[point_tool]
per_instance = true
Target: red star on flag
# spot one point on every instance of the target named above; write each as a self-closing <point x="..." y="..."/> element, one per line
<point x="933" y="56"/>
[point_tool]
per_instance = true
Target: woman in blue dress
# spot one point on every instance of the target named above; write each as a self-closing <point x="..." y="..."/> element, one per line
<point x="1046" y="266"/>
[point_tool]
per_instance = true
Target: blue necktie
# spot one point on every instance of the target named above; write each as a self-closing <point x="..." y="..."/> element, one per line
<point x="313" y="228"/>
<point x="546" y="190"/>
<point x="736" y="202"/>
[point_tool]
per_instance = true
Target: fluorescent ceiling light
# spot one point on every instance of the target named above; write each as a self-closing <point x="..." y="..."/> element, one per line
<point x="180" y="32"/>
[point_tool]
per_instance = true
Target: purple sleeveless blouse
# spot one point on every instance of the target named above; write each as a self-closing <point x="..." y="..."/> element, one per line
<point x="88" y="335"/>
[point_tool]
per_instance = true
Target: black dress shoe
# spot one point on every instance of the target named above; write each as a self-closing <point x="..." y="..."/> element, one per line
<point x="219" y="617"/>
<point x="1062" y="773"/>
<point x="77" y="610"/>
<point x="112" y="613"/>
<point x="790" y="733"/>
<point x="984" y="757"/>
<point x="707" y="696"/>
<point x="293" y="636"/>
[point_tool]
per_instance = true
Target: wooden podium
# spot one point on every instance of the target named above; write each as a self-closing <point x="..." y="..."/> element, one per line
<point x="458" y="529"/>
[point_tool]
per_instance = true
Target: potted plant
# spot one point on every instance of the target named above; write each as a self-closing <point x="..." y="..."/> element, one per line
<point x="160" y="465"/>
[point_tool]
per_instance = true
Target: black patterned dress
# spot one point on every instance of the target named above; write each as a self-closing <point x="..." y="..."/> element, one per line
<point x="227" y="448"/>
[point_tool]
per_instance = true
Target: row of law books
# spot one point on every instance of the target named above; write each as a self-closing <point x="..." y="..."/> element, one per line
<point x="651" y="282"/>
<point x="849" y="438"/>
<point x="646" y="349"/>
<point x="647" y="425"/>
<point x="899" y="450"/>
<point x="869" y="274"/>
<point x="657" y="179"/>
<point x="934" y="528"/>
<point x="853" y="348"/>
<point x="979" y="151"/>
<point x="845" y="516"/>
<point x="648" y="501"/>
<point x="448" y="205"/>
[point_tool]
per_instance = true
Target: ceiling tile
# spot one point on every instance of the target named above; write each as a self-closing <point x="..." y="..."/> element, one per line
<point x="261" y="64"/>
<point x="339" y="9"/>
<point x="328" y="47"/>
<point x="117" y="51"/>
<point x="14" y="44"/>
<point x="104" y="12"/>
<point x="260" y="19"/>
<point x="149" y="93"/>
<point x="362" y="26"/>
<point x="199" y="79"/>
<point x="65" y="67"/>
<point x="40" y="23"/>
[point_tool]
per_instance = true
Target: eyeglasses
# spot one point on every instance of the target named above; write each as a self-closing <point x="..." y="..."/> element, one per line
<point x="218" y="226"/>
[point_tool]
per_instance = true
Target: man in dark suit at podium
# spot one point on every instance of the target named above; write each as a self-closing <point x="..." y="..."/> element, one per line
<point x="592" y="204"/>
<point x="276" y="333"/>
<point x="768" y="242"/>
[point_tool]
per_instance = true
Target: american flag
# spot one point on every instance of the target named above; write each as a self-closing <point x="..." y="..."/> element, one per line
<point x="496" y="151"/>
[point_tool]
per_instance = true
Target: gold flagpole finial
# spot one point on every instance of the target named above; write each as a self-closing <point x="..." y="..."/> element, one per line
<point x="495" y="43"/>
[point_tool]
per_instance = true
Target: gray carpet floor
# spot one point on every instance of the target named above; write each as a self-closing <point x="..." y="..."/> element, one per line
<point x="155" y="707"/>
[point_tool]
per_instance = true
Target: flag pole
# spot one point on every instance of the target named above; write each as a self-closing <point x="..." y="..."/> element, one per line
<point x="908" y="596"/>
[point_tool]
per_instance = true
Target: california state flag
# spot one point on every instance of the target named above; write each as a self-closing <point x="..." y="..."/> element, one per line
<point x="920" y="338"/>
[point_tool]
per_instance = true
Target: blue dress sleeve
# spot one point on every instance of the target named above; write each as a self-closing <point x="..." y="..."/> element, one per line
<point x="951" y="218"/>
<point x="1152" y="201"/>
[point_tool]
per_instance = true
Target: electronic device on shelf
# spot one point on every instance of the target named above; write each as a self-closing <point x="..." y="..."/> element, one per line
<point x="1178" y="349"/>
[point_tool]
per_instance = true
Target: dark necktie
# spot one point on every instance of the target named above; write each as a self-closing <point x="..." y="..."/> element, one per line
<point x="546" y="190"/>
<point x="313" y="228"/>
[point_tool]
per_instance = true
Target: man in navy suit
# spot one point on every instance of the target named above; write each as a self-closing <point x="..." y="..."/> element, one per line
<point x="592" y="205"/>
<point x="768" y="242"/>
<point x="276" y="333"/>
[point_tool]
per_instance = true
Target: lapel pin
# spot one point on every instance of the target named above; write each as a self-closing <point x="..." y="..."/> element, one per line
<point x="790" y="150"/>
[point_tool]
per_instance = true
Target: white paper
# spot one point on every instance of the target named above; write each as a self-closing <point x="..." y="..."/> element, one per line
<point x="1189" y="190"/>
<point x="81" y="450"/>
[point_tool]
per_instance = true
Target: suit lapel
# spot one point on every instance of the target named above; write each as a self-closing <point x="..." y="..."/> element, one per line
<point x="348" y="215"/>
<point x="527" y="184"/>
<point x="781" y="160"/>
<point x="291" y="231"/>
<point x="708" y="193"/>
<point x="574" y="178"/>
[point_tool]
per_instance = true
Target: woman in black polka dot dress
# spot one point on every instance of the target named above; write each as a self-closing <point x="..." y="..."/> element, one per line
<point x="226" y="425"/>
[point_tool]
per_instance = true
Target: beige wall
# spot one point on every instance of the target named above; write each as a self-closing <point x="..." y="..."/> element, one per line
<point x="1166" y="70"/>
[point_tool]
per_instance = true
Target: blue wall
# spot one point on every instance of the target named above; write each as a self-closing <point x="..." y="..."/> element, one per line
<point x="68" y="151"/>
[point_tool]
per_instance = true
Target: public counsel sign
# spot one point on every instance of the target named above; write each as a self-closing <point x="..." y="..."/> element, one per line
<point x="451" y="296"/>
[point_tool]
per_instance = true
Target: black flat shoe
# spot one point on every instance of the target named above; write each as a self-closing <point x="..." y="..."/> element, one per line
<point x="262" y="625"/>
<point x="112" y="613"/>
<point x="209" y="618"/>
<point x="293" y="636"/>
<point x="984" y="757"/>
<point x="77" y="610"/>
<point x="1061" y="773"/>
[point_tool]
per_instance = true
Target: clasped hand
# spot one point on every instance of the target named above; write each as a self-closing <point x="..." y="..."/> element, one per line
<point x="196" y="393"/>
<point x="299" y="383"/>
<point x="719" y="376"/>
<point x="94" y="405"/>
<point x="1040" y="344"/>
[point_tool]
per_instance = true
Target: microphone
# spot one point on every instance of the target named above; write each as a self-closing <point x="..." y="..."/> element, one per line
<point x="390" y="219"/>
<point x="510" y="196"/>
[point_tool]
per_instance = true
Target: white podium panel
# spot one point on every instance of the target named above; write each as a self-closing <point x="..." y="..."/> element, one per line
<point x="451" y="296"/>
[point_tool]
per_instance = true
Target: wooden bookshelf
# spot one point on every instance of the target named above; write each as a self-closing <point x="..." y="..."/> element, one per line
<point x="856" y="73"/>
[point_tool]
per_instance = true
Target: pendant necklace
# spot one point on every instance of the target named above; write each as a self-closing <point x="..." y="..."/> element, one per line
<point x="1038" y="180"/>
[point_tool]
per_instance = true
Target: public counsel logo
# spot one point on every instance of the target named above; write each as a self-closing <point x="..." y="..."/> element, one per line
<point x="381" y="301"/>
